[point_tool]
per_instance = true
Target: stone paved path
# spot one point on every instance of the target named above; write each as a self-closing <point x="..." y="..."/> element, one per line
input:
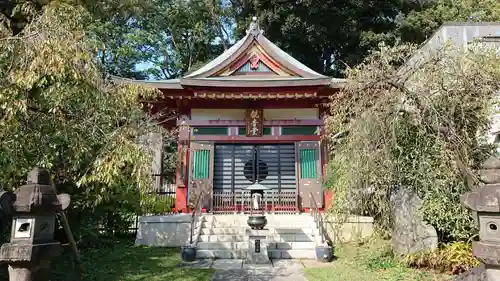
<point x="237" y="270"/>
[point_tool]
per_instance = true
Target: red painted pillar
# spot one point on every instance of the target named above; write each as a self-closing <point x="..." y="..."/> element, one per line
<point x="182" y="171"/>
<point x="181" y="180"/>
<point x="328" y="198"/>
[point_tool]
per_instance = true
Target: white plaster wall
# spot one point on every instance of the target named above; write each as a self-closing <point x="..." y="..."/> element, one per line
<point x="291" y="113"/>
<point x="217" y="114"/>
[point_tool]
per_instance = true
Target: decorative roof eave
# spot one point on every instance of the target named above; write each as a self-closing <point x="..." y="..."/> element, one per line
<point x="183" y="83"/>
<point x="240" y="47"/>
<point x="173" y="84"/>
<point x="337" y="83"/>
<point x="244" y="96"/>
<point x="255" y="83"/>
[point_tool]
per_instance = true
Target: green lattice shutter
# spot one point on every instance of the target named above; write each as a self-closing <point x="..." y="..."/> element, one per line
<point x="201" y="164"/>
<point x="309" y="173"/>
<point x="309" y="163"/>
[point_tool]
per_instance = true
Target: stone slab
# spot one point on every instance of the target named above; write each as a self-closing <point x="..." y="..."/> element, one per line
<point x="231" y="275"/>
<point x="279" y="270"/>
<point x="247" y="266"/>
<point x="227" y="264"/>
<point x="173" y="218"/>
<point x="288" y="264"/>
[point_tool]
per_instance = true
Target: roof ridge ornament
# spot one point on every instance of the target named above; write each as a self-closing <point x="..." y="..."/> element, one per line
<point x="254" y="27"/>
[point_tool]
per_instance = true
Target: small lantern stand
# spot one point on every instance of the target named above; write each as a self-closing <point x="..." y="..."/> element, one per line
<point x="257" y="218"/>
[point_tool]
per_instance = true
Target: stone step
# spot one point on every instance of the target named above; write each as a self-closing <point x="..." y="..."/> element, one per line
<point x="292" y="245"/>
<point x="242" y="254"/>
<point x="244" y="245"/>
<point x="292" y="254"/>
<point x="243" y="228"/>
<point x="269" y="225"/>
<point x="221" y="254"/>
<point x="242" y="238"/>
<point x="242" y="231"/>
<point x="222" y="245"/>
<point x="243" y="220"/>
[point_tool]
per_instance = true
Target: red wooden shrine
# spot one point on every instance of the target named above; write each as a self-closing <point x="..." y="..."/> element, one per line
<point x="253" y="114"/>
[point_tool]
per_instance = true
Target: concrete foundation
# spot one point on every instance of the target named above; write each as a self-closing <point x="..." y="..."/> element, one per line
<point x="257" y="247"/>
<point x="353" y="228"/>
<point x="164" y="231"/>
<point x="290" y="233"/>
<point x="493" y="272"/>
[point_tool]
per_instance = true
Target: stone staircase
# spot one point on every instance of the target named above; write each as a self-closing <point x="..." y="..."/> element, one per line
<point x="224" y="237"/>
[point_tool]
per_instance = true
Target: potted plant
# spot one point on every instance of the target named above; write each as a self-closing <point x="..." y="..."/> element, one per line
<point x="324" y="253"/>
<point x="188" y="252"/>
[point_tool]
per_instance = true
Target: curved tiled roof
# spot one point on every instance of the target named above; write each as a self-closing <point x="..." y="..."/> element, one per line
<point x="301" y="75"/>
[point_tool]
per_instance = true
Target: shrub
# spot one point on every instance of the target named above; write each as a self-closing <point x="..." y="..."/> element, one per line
<point x="419" y="129"/>
<point x="162" y="205"/>
<point x="455" y="257"/>
<point x="383" y="259"/>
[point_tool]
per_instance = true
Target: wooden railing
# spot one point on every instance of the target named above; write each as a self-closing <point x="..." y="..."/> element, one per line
<point x="318" y="218"/>
<point x="227" y="202"/>
<point x="195" y="216"/>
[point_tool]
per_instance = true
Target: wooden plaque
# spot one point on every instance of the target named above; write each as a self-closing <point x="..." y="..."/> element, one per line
<point x="254" y="122"/>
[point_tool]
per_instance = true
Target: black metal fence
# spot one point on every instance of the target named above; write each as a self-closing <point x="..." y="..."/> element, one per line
<point x="163" y="205"/>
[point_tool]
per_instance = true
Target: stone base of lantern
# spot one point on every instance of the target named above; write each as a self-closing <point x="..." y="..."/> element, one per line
<point x="28" y="262"/>
<point x="257" y="247"/>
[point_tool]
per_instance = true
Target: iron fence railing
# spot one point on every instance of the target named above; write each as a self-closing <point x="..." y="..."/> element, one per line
<point x="277" y="202"/>
<point x="195" y="216"/>
<point x="318" y="218"/>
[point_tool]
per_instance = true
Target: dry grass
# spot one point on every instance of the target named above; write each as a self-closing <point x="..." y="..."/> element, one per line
<point x="369" y="261"/>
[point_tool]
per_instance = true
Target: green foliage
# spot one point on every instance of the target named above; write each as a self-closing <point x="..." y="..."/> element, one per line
<point x="382" y="260"/>
<point x="57" y="112"/>
<point x="455" y="257"/>
<point x="416" y="128"/>
<point x="419" y="23"/>
<point x="328" y="35"/>
<point x="162" y="205"/>
<point x="156" y="38"/>
<point x="122" y="261"/>
<point x="371" y="260"/>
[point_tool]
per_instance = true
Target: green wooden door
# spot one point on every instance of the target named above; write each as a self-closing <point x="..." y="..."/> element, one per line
<point x="309" y="173"/>
<point x="201" y="172"/>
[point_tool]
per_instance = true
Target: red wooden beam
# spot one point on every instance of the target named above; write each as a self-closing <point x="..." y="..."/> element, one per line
<point x="263" y="139"/>
<point x="238" y="123"/>
<point x="230" y="103"/>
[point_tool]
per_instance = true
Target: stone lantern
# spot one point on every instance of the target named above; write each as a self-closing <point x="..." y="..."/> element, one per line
<point x="484" y="201"/>
<point x="257" y="219"/>
<point x="32" y="245"/>
<point x="257" y="236"/>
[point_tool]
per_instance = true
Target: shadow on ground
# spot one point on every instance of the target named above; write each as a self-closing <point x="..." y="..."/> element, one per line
<point x="125" y="262"/>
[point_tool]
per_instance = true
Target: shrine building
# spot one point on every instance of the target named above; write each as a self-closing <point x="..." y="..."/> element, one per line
<point x="252" y="115"/>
